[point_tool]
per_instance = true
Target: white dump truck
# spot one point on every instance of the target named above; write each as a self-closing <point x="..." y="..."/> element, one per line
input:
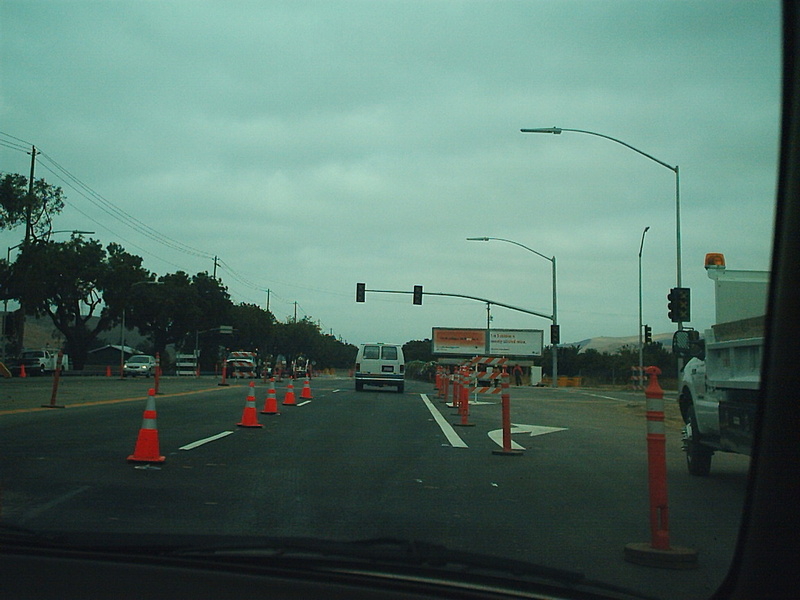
<point x="719" y="387"/>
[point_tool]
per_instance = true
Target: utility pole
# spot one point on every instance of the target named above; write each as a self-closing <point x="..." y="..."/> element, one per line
<point x="20" y="333"/>
<point x="267" y="300"/>
<point x="29" y="203"/>
<point x="295" y="311"/>
<point x="215" y="267"/>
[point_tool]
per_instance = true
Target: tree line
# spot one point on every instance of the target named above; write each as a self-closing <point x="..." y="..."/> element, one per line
<point x="87" y="288"/>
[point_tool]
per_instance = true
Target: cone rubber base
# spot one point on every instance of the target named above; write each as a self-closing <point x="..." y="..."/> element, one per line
<point x="675" y="557"/>
<point x="139" y="459"/>
<point x="507" y="452"/>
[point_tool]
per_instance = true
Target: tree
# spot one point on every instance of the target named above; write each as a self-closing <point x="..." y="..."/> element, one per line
<point x="75" y="282"/>
<point x="295" y="339"/>
<point x="421" y="350"/>
<point x="165" y="310"/>
<point x="18" y="206"/>
<point x="252" y="325"/>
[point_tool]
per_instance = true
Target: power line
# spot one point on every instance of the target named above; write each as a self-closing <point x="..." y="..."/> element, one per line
<point x="130" y="221"/>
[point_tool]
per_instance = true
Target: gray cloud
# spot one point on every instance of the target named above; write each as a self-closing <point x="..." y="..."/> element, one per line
<point x="312" y="145"/>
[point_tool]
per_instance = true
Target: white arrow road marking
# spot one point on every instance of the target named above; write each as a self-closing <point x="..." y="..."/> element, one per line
<point x="450" y="433"/>
<point x="194" y="445"/>
<point x="497" y="435"/>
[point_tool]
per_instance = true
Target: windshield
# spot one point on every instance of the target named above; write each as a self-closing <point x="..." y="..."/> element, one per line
<point x="525" y="190"/>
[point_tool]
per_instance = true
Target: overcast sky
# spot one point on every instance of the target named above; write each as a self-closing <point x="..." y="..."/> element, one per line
<point x="314" y="145"/>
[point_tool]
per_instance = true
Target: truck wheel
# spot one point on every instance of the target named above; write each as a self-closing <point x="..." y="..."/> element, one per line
<point x="698" y="456"/>
<point x="359" y="386"/>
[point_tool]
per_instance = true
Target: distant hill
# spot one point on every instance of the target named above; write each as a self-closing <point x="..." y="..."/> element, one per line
<point x="613" y="344"/>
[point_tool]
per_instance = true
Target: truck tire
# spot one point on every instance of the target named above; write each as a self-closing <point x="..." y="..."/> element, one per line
<point x="359" y="386"/>
<point x="698" y="456"/>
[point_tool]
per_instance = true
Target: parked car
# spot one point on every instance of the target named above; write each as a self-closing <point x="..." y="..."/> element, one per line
<point x="139" y="364"/>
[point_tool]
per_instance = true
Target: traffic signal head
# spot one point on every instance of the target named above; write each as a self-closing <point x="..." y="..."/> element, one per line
<point x="555" y="334"/>
<point x="417" y="294"/>
<point x="678" y="305"/>
<point x="361" y="290"/>
<point x="648" y="334"/>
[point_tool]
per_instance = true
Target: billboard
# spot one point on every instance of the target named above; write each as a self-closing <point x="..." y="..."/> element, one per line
<point x="515" y="342"/>
<point x="469" y="342"/>
<point x="487" y="342"/>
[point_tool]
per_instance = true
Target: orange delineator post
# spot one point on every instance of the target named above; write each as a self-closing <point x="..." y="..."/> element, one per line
<point x="456" y="388"/>
<point x="657" y="461"/>
<point x="158" y="371"/>
<point x="56" y="377"/>
<point x="22" y="372"/>
<point x="659" y="552"/>
<point x="108" y="370"/>
<point x="224" y="374"/>
<point x="463" y="405"/>
<point x="507" y="450"/>
<point x="147" y="443"/>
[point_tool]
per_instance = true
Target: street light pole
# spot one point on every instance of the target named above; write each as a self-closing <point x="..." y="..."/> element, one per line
<point x="674" y="169"/>
<point x="641" y="353"/>
<point x="554" y="317"/>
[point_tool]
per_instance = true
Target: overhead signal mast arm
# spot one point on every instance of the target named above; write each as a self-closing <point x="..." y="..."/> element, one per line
<point x="449" y="295"/>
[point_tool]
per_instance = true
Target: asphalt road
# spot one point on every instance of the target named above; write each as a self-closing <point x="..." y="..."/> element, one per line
<point x="347" y="465"/>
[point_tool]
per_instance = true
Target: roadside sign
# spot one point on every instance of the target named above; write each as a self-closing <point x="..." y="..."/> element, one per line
<point x="515" y="342"/>
<point x="487" y="342"/>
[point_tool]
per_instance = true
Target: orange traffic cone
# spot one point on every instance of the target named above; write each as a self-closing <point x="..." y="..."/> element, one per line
<point x="22" y="372"/>
<point x="147" y="443"/>
<point x="288" y="399"/>
<point x="271" y="404"/>
<point x="249" y="418"/>
<point x="306" y="393"/>
<point x="108" y="370"/>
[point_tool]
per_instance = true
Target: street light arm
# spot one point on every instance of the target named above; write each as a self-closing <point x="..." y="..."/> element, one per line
<point x="486" y="239"/>
<point x="641" y="245"/>
<point x="678" y="267"/>
<point x="558" y="130"/>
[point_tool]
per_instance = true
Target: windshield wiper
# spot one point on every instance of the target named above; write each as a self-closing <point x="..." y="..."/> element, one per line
<point x="385" y="549"/>
<point x="414" y="557"/>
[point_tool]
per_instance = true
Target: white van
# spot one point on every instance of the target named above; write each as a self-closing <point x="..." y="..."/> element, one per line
<point x="380" y="364"/>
